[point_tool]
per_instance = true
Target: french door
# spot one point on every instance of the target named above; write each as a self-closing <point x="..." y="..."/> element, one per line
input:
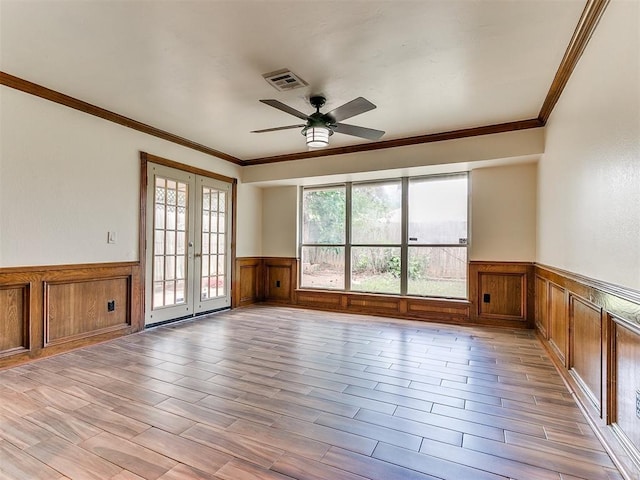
<point x="188" y="244"/>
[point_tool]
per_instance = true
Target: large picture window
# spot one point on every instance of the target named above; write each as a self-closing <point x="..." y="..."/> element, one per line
<point x="405" y="237"/>
<point x="324" y="237"/>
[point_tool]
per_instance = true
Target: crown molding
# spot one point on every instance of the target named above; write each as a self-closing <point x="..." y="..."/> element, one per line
<point x="593" y="11"/>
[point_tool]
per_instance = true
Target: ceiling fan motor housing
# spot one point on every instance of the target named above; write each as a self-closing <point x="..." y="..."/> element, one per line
<point x="317" y="101"/>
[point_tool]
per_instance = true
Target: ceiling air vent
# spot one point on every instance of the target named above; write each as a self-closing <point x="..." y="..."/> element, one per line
<point x="284" y="80"/>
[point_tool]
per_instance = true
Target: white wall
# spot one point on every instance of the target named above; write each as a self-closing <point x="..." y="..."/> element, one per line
<point x="249" y="221"/>
<point x="2" y="90"/>
<point x="503" y="213"/>
<point x="280" y="221"/>
<point x="589" y="176"/>
<point x="68" y="178"/>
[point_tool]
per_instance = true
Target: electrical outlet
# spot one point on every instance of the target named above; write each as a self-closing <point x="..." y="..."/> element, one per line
<point x="486" y="298"/>
<point x="278" y="283"/>
<point x="638" y="403"/>
<point x="111" y="305"/>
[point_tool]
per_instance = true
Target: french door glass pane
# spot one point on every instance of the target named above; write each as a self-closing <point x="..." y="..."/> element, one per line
<point x="169" y="238"/>
<point x="169" y="267"/>
<point x="438" y="210"/>
<point x="323" y="267"/>
<point x="323" y="217"/>
<point x="180" y="246"/>
<point x="213" y="222"/>
<point x="213" y="235"/>
<point x="170" y="243"/>
<point x="171" y="217"/>
<point x="437" y="271"/>
<point x="158" y="239"/>
<point x="169" y="293"/>
<point x="376" y="213"/>
<point x="375" y="269"/>
<point x="182" y="218"/>
<point x="159" y="216"/>
<point x="180" y="291"/>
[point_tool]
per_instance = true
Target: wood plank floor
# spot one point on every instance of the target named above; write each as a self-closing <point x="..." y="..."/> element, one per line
<point x="280" y="393"/>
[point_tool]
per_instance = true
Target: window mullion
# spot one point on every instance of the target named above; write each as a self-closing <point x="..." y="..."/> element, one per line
<point x="300" y="237"/>
<point x="347" y="239"/>
<point x="404" y="249"/>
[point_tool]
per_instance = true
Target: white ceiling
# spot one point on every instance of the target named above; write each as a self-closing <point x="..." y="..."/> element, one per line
<point x="194" y="68"/>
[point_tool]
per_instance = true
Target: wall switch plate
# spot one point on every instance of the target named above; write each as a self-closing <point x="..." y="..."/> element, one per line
<point x="486" y="298"/>
<point x="111" y="305"/>
<point x="112" y="237"/>
<point x="278" y="283"/>
<point x="638" y="403"/>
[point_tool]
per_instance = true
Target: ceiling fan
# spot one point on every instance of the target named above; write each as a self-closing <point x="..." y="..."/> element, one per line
<point x="320" y="126"/>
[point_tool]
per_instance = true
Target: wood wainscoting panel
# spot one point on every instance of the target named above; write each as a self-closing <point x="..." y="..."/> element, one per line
<point x="558" y="324"/>
<point x="248" y="285"/>
<point x="619" y="301"/>
<point x="373" y="304"/>
<point x="502" y="293"/>
<point x="260" y="279"/>
<point x="45" y="310"/>
<point x="626" y="363"/>
<point x="436" y="310"/>
<point x="77" y="309"/>
<point x="281" y="275"/>
<point x="278" y="284"/>
<point x="413" y="308"/>
<point x="541" y="310"/>
<point x="14" y="318"/>
<point x="586" y="342"/>
<point x="319" y="299"/>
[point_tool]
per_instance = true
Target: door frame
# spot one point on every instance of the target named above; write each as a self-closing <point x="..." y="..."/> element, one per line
<point x="145" y="158"/>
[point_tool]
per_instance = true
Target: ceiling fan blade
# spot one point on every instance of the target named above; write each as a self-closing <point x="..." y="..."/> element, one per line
<point x="351" y="109"/>
<point x="275" y="129"/>
<point x="285" y="108"/>
<point x="362" y="132"/>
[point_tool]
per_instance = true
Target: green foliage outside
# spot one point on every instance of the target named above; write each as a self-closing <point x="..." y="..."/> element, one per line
<point x="414" y="271"/>
<point x="372" y="214"/>
<point x="324" y="216"/>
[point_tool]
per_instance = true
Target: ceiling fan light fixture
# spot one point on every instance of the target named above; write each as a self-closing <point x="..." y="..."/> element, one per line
<point x="317" y="137"/>
<point x="320" y="126"/>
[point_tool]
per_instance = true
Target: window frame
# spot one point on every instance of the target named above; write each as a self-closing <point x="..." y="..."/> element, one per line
<point x="404" y="244"/>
